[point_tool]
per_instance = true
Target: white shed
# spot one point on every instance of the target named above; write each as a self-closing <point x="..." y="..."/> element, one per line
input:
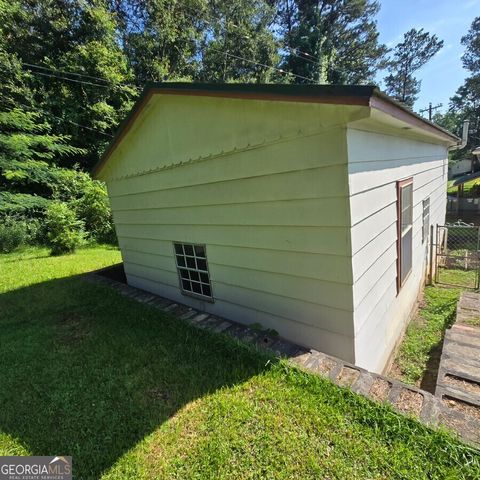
<point x="305" y="209"/>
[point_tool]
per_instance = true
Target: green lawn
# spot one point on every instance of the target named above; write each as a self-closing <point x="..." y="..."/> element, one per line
<point x="467" y="189"/>
<point x="131" y="393"/>
<point x="421" y="345"/>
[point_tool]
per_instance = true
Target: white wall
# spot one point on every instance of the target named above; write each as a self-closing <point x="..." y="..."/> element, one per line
<point x="273" y="215"/>
<point x="376" y="162"/>
<point x="459" y="168"/>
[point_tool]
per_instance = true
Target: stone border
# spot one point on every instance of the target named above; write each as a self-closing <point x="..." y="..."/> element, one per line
<point x="406" y="399"/>
<point x="458" y="381"/>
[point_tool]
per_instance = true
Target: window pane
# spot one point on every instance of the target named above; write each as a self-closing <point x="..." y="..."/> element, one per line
<point x="407" y="196"/>
<point x="405" y="220"/>
<point x="201" y="264"/>
<point x="426" y="219"/>
<point x="190" y="262"/>
<point x="406" y="263"/>
<point x="407" y="206"/>
<point x="196" y="288"/>
<point x="194" y="276"/>
<point x="206" y="290"/>
<point x="199" y="251"/>
<point x="179" y="248"/>
<point x="180" y="261"/>
<point x="204" y="277"/>
<point x="188" y="249"/>
<point x="184" y="274"/>
<point x="186" y="285"/>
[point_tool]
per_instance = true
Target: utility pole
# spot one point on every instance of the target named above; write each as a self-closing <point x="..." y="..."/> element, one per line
<point x="430" y="110"/>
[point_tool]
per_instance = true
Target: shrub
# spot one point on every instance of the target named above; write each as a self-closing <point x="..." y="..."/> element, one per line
<point x="93" y="208"/>
<point x="13" y="234"/>
<point x="69" y="184"/>
<point x="64" y="231"/>
<point x="36" y="231"/>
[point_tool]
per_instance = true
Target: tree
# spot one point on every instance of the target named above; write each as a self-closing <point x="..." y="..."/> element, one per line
<point x="416" y="49"/>
<point x="330" y="41"/>
<point x="471" y="57"/>
<point x="79" y="75"/>
<point x="465" y="104"/>
<point x="28" y="152"/>
<point x="238" y="43"/>
<point x="160" y="37"/>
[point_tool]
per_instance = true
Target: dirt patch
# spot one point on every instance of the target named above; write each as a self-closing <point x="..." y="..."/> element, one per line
<point x="380" y="389"/>
<point x="72" y="329"/>
<point x="410" y="402"/>
<point x="347" y="376"/>
<point x="461" y="406"/>
<point x="463" y="384"/>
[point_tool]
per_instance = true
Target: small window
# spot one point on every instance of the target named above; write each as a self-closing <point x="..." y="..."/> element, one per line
<point x="192" y="270"/>
<point x="404" y="230"/>
<point x="425" y="219"/>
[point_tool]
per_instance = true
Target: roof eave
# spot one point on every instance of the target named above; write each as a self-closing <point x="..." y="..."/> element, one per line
<point x="386" y="104"/>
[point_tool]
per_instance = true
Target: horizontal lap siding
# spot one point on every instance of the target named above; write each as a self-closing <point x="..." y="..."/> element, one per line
<point x="327" y="241"/>
<point x="376" y="162"/>
<point x="246" y="308"/>
<point x="276" y="225"/>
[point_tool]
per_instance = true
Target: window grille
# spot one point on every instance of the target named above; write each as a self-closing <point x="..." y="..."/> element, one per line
<point x="192" y="267"/>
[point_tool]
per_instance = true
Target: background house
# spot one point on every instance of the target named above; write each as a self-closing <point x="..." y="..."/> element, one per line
<point x="303" y="208"/>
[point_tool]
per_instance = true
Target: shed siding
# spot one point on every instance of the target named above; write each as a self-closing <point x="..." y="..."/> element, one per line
<point x="274" y="217"/>
<point x="376" y="162"/>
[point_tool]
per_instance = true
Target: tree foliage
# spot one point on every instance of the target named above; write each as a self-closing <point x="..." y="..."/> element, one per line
<point x="238" y="43"/>
<point x="50" y="39"/>
<point x="465" y="104"/>
<point x="331" y="41"/>
<point x="28" y="152"/>
<point x="416" y="49"/>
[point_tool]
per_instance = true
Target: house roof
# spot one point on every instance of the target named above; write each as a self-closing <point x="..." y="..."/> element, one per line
<point x="362" y="95"/>
<point x="465" y="178"/>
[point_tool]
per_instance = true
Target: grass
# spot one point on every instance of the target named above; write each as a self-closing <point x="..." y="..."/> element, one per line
<point x="473" y="321"/>
<point x="424" y="335"/>
<point x="457" y="277"/>
<point x="468" y="187"/>
<point x="132" y="393"/>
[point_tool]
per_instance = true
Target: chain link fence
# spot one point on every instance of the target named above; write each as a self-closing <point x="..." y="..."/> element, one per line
<point x="458" y="255"/>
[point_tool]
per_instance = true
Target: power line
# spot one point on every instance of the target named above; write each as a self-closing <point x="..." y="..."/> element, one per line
<point x="65" y="72"/>
<point x="430" y="109"/>
<point x="58" y="118"/>
<point x="295" y="51"/>
<point x="69" y="79"/>
<point x="238" y="57"/>
<point x="224" y="52"/>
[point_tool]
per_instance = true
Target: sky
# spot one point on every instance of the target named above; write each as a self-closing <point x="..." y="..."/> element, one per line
<point x="449" y="20"/>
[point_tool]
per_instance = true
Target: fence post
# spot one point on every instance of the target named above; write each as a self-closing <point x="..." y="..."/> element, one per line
<point x="430" y="279"/>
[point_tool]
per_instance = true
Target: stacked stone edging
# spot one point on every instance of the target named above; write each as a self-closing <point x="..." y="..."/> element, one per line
<point x="427" y="408"/>
<point x="458" y="382"/>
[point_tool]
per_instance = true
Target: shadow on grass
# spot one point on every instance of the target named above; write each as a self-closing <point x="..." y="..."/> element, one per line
<point x="89" y="373"/>
<point x="430" y="375"/>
